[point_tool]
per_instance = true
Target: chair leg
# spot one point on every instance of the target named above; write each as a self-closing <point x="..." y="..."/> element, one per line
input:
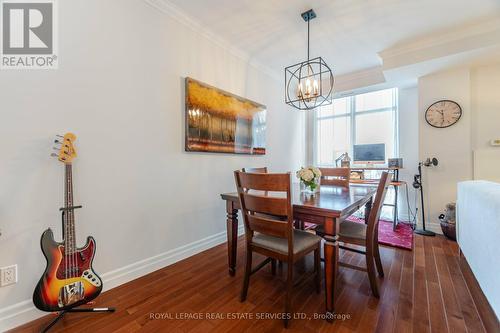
<point x="370" y="267"/>
<point x="288" y="297"/>
<point x="378" y="261"/>
<point x="317" y="268"/>
<point x="273" y="266"/>
<point x="299" y="224"/>
<point x="246" y="279"/>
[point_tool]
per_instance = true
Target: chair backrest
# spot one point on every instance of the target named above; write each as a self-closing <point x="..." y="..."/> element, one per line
<point x="372" y="230"/>
<point x="255" y="170"/>
<point x="265" y="201"/>
<point x="335" y="176"/>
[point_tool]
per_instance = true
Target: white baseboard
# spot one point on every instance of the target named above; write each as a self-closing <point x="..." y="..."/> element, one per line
<point x="18" y="314"/>
<point x="436" y="227"/>
<point x="23" y="312"/>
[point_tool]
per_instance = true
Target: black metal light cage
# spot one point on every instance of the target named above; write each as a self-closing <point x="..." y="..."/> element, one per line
<point x="314" y="69"/>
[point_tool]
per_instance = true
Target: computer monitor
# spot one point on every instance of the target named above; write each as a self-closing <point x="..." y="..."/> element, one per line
<point x="370" y="153"/>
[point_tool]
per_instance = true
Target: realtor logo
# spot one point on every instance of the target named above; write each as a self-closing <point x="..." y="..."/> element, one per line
<point x="28" y="34"/>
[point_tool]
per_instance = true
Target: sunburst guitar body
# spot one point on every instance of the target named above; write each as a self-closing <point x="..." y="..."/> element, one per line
<point x="57" y="291"/>
<point x="69" y="279"/>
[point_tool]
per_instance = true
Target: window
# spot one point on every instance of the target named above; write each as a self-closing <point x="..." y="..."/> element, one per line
<point x="360" y="119"/>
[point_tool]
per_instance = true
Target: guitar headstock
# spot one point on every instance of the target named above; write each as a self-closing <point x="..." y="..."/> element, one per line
<point x="66" y="149"/>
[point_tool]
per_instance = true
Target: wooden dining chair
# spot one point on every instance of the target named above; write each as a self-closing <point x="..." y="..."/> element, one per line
<point x="329" y="176"/>
<point x="255" y="170"/>
<point x="335" y="176"/>
<point x="266" y="206"/>
<point x="366" y="235"/>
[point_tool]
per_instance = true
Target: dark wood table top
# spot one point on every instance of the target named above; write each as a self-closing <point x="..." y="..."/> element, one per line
<point x="331" y="201"/>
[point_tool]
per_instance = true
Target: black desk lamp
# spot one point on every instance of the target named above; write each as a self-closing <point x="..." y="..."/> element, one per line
<point x="417" y="184"/>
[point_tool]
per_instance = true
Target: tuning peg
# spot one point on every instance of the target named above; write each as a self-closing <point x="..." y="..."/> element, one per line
<point x="59" y="136"/>
<point x="57" y="141"/>
<point x="54" y="155"/>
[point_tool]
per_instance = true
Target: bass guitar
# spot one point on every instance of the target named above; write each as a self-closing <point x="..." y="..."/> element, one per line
<point x="69" y="279"/>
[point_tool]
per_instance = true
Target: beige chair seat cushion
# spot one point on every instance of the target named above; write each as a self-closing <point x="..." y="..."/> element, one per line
<point x="301" y="241"/>
<point x="353" y="230"/>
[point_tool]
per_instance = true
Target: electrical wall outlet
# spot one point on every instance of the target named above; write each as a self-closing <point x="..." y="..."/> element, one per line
<point x="8" y="275"/>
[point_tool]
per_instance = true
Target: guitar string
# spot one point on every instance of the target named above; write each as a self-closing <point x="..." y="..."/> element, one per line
<point x="72" y="225"/>
<point x="71" y="261"/>
<point x="70" y="203"/>
<point x="75" y="254"/>
<point x="68" y="212"/>
<point x="65" y="224"/>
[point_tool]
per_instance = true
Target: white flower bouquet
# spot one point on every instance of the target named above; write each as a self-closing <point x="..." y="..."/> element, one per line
<point x="309" y="177"/>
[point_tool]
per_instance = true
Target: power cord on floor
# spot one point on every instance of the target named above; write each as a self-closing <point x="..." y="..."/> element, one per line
<point x="413" y="217"/>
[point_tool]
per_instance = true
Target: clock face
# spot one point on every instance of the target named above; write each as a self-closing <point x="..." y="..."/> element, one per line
<point x="443" y="114"/>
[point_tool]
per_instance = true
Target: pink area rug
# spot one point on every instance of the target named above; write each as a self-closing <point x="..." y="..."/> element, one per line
<point x="402" y="237"/>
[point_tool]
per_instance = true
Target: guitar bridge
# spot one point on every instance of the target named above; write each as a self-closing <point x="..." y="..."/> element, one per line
<point x="71" y="293"/>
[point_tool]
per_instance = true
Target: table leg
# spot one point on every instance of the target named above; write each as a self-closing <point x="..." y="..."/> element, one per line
<point x="331" y="249"/>
<point x="395" y="213"/>
<point x="396" y="188"/>
<point x="368" y="209"/>
<point x="232" y="236"/>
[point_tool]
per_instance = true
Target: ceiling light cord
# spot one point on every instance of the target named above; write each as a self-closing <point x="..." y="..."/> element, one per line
<point x="308" y="23"/>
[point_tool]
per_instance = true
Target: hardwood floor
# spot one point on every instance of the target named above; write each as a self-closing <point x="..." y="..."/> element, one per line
<point x="424" y="290"/>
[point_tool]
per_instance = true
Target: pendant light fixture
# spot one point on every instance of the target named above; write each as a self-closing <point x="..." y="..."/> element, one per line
<point x="308" y="84"/>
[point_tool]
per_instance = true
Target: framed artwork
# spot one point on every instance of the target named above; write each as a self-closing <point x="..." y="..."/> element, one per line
<point x="220" y="122"/>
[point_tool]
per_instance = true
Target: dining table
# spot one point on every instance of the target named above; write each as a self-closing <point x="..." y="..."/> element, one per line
<point x="327" y="207"/>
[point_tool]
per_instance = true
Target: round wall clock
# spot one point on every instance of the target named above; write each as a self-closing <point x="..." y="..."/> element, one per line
<point x="443" y="114"/>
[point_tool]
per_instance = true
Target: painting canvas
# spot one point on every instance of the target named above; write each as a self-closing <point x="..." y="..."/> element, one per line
<point x="220" y="122"/>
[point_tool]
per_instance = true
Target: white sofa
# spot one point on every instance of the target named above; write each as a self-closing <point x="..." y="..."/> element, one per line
<point x="478" y="234"/>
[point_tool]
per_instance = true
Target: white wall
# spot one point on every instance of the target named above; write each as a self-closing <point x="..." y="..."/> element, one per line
<point x="485" y="84"/>
<point x="451" y="146"/>
<point x="120" y="89"/>
<point x="485" y="81"/>
<point x="476" y="90"/>
<point x="408" y="147"/>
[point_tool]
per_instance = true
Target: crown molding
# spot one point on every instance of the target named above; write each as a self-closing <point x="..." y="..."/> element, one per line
<point x="166" y="7"/>
<point x="465" y="38"/>
<point x="360" y="79"/>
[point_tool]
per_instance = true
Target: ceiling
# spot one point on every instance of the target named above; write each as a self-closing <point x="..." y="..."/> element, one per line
<point x="348" y="34"/>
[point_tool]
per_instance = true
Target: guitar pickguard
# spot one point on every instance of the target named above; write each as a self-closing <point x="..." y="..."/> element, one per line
<point x="79" y="263"/>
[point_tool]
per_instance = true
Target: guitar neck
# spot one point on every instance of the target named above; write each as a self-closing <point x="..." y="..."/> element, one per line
<point x="69" y="215"/>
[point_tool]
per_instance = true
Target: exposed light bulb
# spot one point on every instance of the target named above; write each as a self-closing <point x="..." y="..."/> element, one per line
<point x="308" y="87"/>
<point x="300" y="90"/>
<point x="315" y="88"/>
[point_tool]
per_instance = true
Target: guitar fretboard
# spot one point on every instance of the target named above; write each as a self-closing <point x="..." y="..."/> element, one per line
<point x="69" y="216"/>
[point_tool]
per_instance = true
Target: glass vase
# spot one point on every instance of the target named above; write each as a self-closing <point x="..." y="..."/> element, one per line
<point x="310" y="187"/>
